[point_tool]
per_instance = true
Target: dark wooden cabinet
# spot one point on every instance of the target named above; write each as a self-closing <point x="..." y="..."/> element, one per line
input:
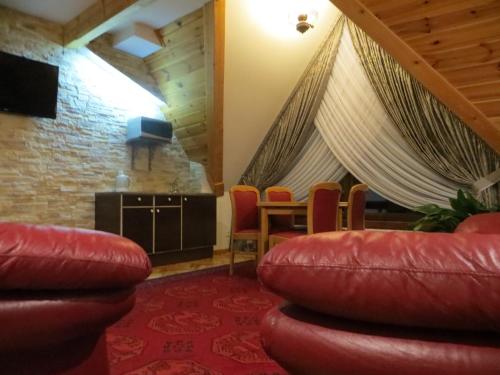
<point x="170" y="228"/>
<point x="198" y="231"/>
<point x="138" y="226"/>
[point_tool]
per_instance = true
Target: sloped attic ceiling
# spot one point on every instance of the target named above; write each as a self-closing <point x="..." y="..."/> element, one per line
<point x="451" y="46"/>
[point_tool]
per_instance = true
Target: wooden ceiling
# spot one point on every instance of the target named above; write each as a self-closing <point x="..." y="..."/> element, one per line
<point x="458" y="39"/>
<point x="179" y="70"/>
<point x="189" y="71"/>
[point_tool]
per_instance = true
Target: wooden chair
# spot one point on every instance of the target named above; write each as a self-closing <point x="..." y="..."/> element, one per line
<point x="322" y="212"/>
<point x="279" y="194"/>
<point x="245" y="217"/>
<point x="356" y="207"/>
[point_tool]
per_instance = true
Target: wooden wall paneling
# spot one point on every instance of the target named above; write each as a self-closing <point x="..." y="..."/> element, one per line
<point x="184" y="110"/>
<point x="416" y="65"/>
<point x="98" y="19"/>
<point x="187" y="33"/>
<point x="190" y="119"/>
<point x="214" y="16"/>
<point x="194" y="140"/>
<point x="180" y="72"/>
<point x="164" y="58"/>
<point x="184" y="95"/>
<point x="180" y="81"/>
<point x="179" y="24"/>
<point x="187" y="131"/>
<point x="188" y="65"/>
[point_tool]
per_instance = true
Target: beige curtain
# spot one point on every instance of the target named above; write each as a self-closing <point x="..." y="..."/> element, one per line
<point x="293" y="127"/>
<point x="315" y="163"/>
<point x="439" y="137"/>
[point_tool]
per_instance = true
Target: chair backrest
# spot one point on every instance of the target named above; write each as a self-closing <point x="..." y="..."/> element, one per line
<point x="279" y="194"/>
<point x="356" y="207"/>
<point x="244" y="200"/>
<point x="322" y="207"/>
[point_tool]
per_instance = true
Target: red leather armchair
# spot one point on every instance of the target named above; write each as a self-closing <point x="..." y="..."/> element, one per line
<point x="60" y="289"/>
<point x="370" y="303"/>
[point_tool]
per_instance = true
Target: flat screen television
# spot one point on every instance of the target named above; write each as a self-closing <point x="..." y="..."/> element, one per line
<point x="28" y="87"/>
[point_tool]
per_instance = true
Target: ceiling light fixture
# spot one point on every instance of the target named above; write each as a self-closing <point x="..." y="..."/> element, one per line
<point x="303" y="25"/>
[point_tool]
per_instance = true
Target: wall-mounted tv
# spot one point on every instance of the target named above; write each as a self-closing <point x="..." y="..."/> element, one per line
<point x="28" y="87"/>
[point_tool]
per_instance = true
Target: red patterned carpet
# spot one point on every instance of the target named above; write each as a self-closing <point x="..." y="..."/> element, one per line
<point x="203" y="323"/>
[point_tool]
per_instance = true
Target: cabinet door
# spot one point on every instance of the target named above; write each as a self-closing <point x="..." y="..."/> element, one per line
<point x="198" y="221"/>
<point x="167" y="229"/>
<point x="138" y="226"/>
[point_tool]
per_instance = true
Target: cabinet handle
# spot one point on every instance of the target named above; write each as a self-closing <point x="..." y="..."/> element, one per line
<point x="169" y="199"/>
<point x="185" y="199"/>
<point x="157" y="210"/>
<point x="151" y="210"/>
<point x="139" y="199"/>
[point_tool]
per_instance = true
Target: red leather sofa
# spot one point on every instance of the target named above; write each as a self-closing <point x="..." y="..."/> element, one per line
<point x="60" y="288"/>
<point x="373" y="302"/>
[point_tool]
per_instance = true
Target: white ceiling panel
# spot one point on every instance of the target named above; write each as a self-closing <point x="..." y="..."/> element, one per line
<point x="60" y="11"/>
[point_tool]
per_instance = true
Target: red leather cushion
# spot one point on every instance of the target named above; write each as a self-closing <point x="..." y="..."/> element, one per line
<point x="304" y="342"/>
<point x="43" y="319"/>
<point x="409" y="278"/>
<point x="247" y="214"/>
<point x="49" y="257"/>
<point x="482" y="223"/>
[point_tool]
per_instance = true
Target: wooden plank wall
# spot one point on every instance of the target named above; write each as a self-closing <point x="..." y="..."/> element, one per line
<point x="180" y="71"/>
<point x="458" y="38"/>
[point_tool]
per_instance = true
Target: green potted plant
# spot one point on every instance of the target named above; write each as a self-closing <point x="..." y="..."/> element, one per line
<point x="439" y="219"/>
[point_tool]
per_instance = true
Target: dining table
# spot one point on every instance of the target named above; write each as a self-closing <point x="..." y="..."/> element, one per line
<point x="267" y="208"/>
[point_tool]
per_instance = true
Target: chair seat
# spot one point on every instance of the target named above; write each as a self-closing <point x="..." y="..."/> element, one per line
<point x="289" y="234"/>
<point x="248" y="231"/>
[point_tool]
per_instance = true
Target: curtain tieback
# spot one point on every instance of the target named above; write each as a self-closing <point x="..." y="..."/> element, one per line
<point x="485" y="182"/>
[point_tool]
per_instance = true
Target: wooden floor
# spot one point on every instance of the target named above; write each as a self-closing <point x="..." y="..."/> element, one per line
<point x="220" y="258"/>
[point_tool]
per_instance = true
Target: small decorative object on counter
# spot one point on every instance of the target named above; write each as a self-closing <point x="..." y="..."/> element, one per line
<point x="174" y="186"/>
<point x="122" y="181"/>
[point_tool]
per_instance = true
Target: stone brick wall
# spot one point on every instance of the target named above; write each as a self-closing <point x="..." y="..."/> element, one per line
<point x="50" y="169"/>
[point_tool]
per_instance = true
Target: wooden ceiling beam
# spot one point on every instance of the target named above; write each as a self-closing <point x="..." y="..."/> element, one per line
<point x="416" y="65"/>
<point x="98" y="19"/>
<point x="214" y="62"/>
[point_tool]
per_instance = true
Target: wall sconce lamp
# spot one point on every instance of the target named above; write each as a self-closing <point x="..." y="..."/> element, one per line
<point x="303" y="25"/>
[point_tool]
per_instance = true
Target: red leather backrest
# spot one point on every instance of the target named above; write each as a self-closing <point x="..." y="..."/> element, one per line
<point x="279" y="196"/>
<point x="280" y="222"/>
<point x="483" y="223"/>
<point x="325" y="209"/>
<point x="358" y="210"/>
<point x="247" y="214"/>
